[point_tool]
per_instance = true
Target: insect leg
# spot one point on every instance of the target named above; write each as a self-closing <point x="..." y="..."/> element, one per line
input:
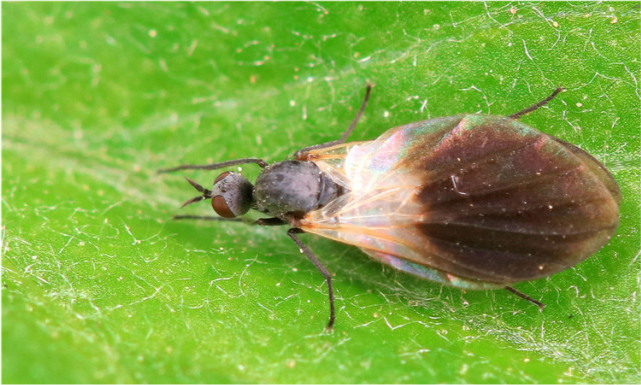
<point x="270" y="222"/>
<point x="292" y="234"/>
<point x="215" y="166"/>
<point x="359" y="114"/>
<point x="259" y="222"/>
<point x="206" y="218"/>
<point x="301" y="154"/>
<point x="537" y="105"/>
<point x="525" y="297"/>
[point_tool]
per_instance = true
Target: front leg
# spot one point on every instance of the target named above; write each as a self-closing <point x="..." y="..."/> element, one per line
<point x="214" y="166"/>
<point x="259" y="222"/>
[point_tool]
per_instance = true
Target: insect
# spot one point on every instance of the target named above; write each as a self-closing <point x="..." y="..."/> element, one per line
<point x="474" y="202"/>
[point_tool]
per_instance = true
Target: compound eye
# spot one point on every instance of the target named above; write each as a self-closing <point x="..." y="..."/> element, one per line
<point x="222" y="176"/>
<point x="221" y="207"/>
<point x="232" y="195"/>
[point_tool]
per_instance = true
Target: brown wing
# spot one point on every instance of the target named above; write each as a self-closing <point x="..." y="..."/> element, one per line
<point x="482" y="198"/>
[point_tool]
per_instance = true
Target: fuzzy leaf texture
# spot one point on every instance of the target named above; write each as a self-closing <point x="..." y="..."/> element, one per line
<point x="99" y="285"/>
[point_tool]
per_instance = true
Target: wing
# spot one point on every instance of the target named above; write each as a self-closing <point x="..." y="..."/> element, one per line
<point x="484" y="199"/>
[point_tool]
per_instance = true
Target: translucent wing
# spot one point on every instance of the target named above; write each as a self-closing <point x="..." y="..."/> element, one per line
<point x="483" y="199"/>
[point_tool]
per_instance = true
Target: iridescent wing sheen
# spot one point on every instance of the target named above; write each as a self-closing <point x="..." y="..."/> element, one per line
<point x="474" y="198"/>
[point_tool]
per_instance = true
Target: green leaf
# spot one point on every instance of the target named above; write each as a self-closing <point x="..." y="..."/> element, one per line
<point x="100" y="285"/>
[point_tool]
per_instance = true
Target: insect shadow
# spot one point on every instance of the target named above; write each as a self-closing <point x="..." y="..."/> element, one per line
<point x="470" y="201"/>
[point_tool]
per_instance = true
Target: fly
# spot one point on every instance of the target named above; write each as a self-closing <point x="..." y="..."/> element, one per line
<point x="474" y="202"/>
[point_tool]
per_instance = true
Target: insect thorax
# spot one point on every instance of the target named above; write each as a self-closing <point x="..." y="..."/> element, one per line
<point x="293" y="188"/>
